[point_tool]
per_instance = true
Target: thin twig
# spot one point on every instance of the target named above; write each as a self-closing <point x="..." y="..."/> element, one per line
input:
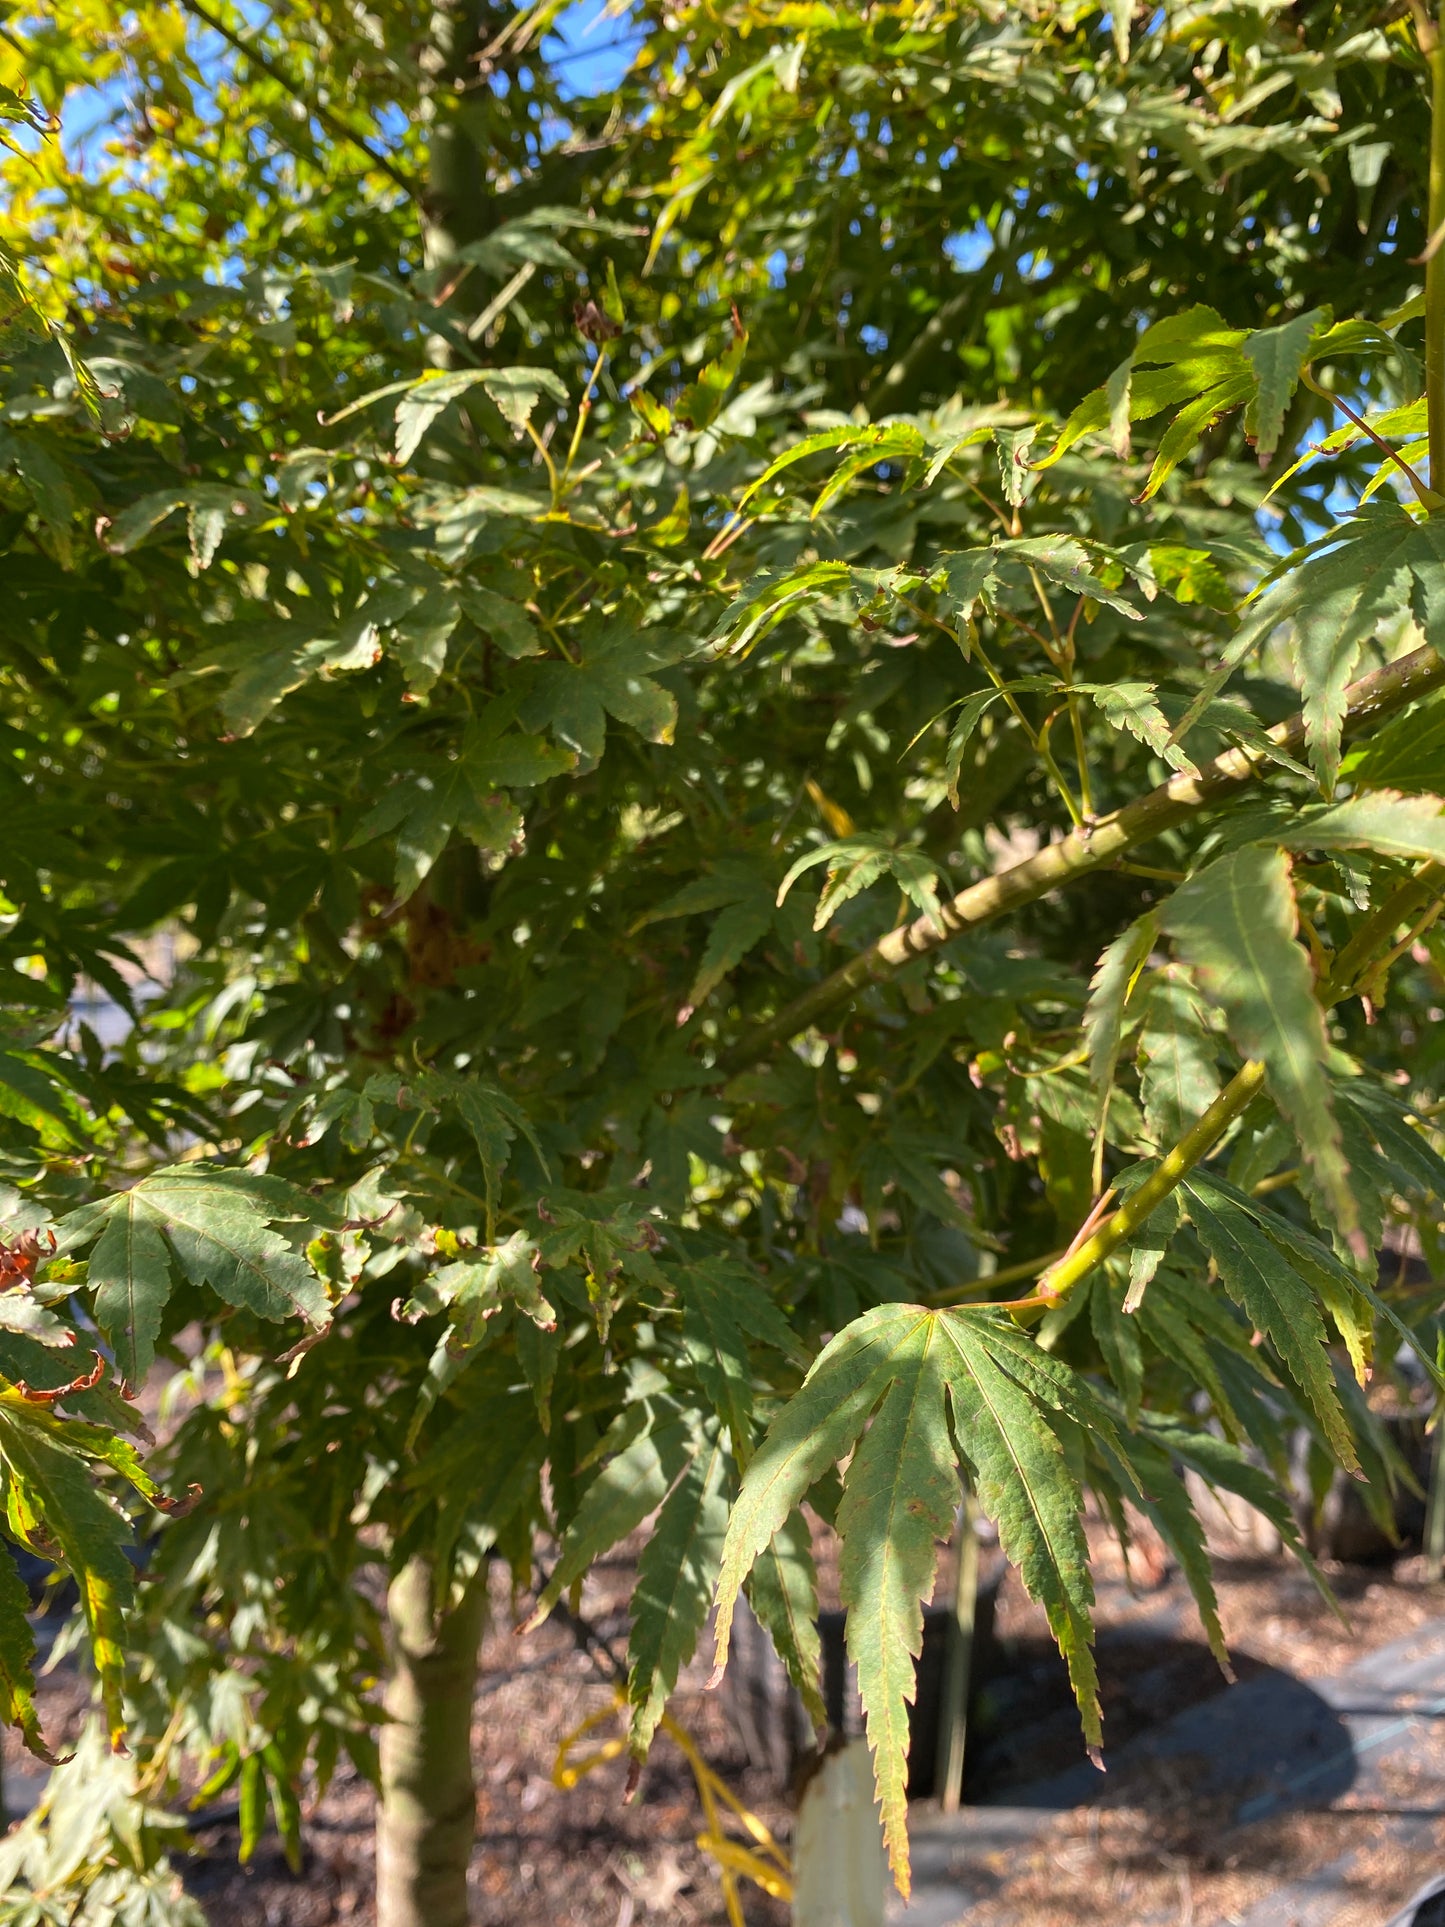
<point x="1046" y="757"/>
<point x="275" y="72"/>
<point x="1355" y="967"/>
<point x="1427" y="498"/>
<point x="1081" y="756"/>
<point x="584" y="409"/>
<point x="976" y="650"/>
<point x="726" y="536"/>
<point x="1027" y="1268"/>
<point x="476" y="329"/>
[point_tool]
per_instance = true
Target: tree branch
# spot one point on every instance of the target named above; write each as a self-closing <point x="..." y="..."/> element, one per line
<point x="1427" y="499"/>
<point x="1167" y="1176"/>
<point x="1353" y="967"/>
<point x="375" y="158"/>
<point x="1084" y="850"/>
<point x="923" y="343"/>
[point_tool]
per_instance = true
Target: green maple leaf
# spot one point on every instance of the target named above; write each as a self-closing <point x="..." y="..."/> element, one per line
<point x="772" y="595"/>
<point x="472" y="1291"/>
<point x="1407" y="754"/>
<point x="55" y="1507"/>
<point x="264" y="658"/>
<point x="857" y="862"/>
<point x="699" y="403"/>
<point x="1195" y="364"/>
<point x="17" y="1652"/>
<point x="740" y="889"/>
<point x="611" y="1237"/>
<point x="782" y="1590"/>
<point x="1383" y="821"/>
<point x="725" y="1309"/>
<point x="516" y="392"/>
<point x="892" y="1393"/>
<point x="675" y="1579"/>
<point x="1276" y="1300"/>
<point x="971" y="711"/>
<point x="1067" y="563"/>
<point x="211" y="508"/>
<point x="466" y="796"/>
<point x="1109" y="991"/>
<point x="1334" y="597"/>
<point x="492" y="1119"/>
<point x="1189" y="576"/>
<point x="209" y="1226"/>
<point x="1178" y="1057"/>
<point x="865" y="446"/>
<point x="1235" y="924"/>
<point x="1277" y="357"/>
<point x="645" y="1452"/>
<point x="498" y="616"/>
<point x="416" y="619"/>
<point x="1132" y="706"/>
<point x="657" y="1459"/>
<point x="612" y="677"/>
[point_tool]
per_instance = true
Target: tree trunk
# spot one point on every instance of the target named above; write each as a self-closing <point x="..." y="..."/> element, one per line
<point x="426" y="1821"/>
<point x="456" y="203"/>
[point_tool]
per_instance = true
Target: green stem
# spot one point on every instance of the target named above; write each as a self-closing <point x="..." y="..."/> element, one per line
<point x="1356" y="963"/>
<point x="1056" y="775"/>
<point x="426" y="1822"/>
<point x="983" y="1287"/>
<point x="974" y="651"/>
<point x="1435" y="1513"/>
<point x="1359" y="959"/>
<point x="1085" y="850"/>
<point x="1038" y="738"/>
<point x="584" y="409"/>
<point x="958" y="1662"/>
<point x="1167" y="1176"/>
<point x="1081" y="756"/>
<point x="1426" y="497"/>
<point x="548" y="463"/>
<point x="1435" y="269"/>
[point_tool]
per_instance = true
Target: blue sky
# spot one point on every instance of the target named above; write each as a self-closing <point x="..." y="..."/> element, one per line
<point x="591" y="46"/>
<point x="594" y="45"/>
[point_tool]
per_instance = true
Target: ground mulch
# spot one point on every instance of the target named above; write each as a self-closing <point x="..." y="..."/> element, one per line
<point x="1160" y="1844"/>
<point x="1157" y="1851"/>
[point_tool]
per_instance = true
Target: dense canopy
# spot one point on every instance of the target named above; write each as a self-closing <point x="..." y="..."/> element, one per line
<point x="745" y="763"/>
